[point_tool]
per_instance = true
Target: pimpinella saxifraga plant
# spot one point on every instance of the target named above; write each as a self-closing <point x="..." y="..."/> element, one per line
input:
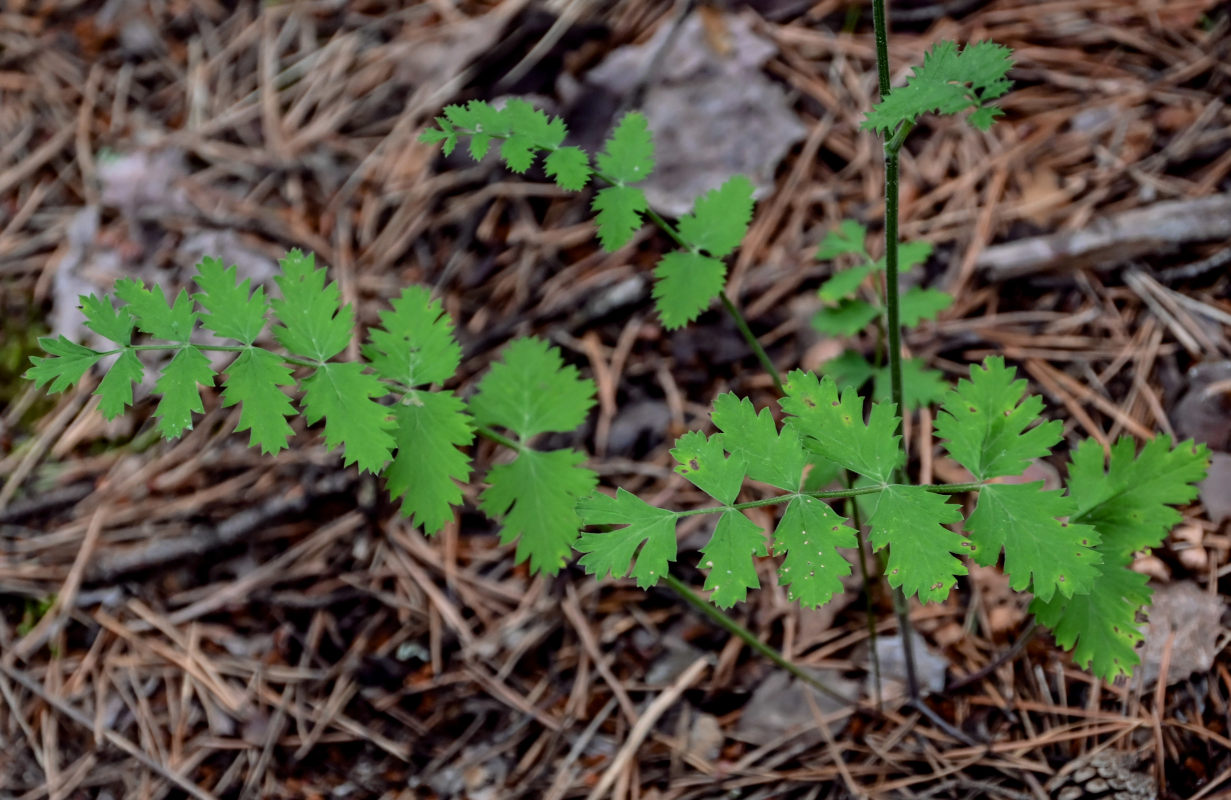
<point x="388" y="414"/>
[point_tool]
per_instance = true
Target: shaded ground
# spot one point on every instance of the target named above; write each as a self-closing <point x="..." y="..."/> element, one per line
<point x="232" y="625"/>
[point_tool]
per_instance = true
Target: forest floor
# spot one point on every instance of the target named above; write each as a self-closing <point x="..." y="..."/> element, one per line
<point x="194" y="619"/>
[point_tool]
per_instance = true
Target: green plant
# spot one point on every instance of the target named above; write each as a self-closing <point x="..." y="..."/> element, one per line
<point x="412" y="439"/>
<point x="1071" y="550"/>
<point x="849" y="308"/>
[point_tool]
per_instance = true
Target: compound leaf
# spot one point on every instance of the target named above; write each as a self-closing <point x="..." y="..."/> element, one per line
<point x="1100" y="627"/>
<point x="312" y="324"/>
<point x="628" y="156"/>
<point x="849" y="238"/>
<point x="531" y="390"/>
<point x="178" y="387"/>
<point x="775" y="458"/>
<point x="729" y="558"/>
<point x="1130" y="504"/>
<point x="1038" y="547"/>
<point x="428" y="429"/>
<point x="345" y="396"/>
<point x="810" y="533"/>
<point x="231" y="310"/>
<point x="414" y="345"/>
<point x="535" y="497"/>
<point x="834" y="429"/>
<point x="648" y="535"/>
<point x="921" y="553"/>
<point x="67" y="361"/>
<point x="985" y="422"/>
<point x="720" y="218"/>
<point x="569" y="167"/>
<point x="252" y="381"/>
<point x="686" y="283"/>
<point x="702" y="462"/>
<point x="154" y="314"/>
<point x="949" y="81"/>
<point x="619" y="211"/>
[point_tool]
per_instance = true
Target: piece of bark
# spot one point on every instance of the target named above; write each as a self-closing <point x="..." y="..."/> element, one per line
<point x="1109" y="242"/>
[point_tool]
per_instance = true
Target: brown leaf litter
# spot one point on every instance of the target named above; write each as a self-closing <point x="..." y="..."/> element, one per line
<point x="202" y="621"/>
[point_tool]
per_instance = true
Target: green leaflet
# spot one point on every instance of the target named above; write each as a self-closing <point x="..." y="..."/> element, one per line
<point x="231" y="311"/>
<point x="648" y="535"/>
<point x="987" y="423"/>
<point x="909" y="520"/>
<point x="686" y="284"/>
<point x="312" y="323"/>
<point x="701" y="461"/>
<point x="729" y="558"/>
<point x="252" y="381"/>
<point x="531" y="391"/>
<point x="115" y="391"/>
<point x="429" y="427"/>
<point x="810" y="533"/>
<point x="535" y="498"/>
<point x="775" y="458"/>
<point x="64" y="366"/>
<point x="1041" y="552"/>
<point x="569" y="167"/>
<point x="414" y="344"/>
<point x="834" y="427"/>
<point x="720" y="218"/>
<point x="178" y="386"/>
<point x="619" y="210"/>
<point x="153" y="314"/>
<point x="1130" y="504"/>
<point x="628" y="155"/>
<point x="847" y="318"/>
<point x="106" y="320"/>
<point x="848" y="238"/>
<point x="1100" y="627"/>
<point x="344" y="395"/>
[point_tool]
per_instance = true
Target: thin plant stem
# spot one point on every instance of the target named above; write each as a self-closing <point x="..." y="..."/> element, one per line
<point x="498" y="438"/>
<point x="751" y="339"/>
<point x="749" y="638"/>
<point x="893" y="321"/>
<point x="938" y="488"/>
<point x="1008" y="655"/>
<point x="856" y="519"/>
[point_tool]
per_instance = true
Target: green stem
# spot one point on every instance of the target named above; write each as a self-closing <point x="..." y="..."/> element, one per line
<point x="740" y="322"/>
<point x="855" y="515"/>
<point x="881" y="26"/>
<point x="893" y="308"/>
<point x="749" y="638"/>
<point x="218" y="348"/>
<point x="935" y="488"/>
<point x="751" y="339"/>
<point x="498" y="438"/>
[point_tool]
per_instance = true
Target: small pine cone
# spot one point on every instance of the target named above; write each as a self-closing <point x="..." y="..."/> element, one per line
<point x="1107" y="776"/>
